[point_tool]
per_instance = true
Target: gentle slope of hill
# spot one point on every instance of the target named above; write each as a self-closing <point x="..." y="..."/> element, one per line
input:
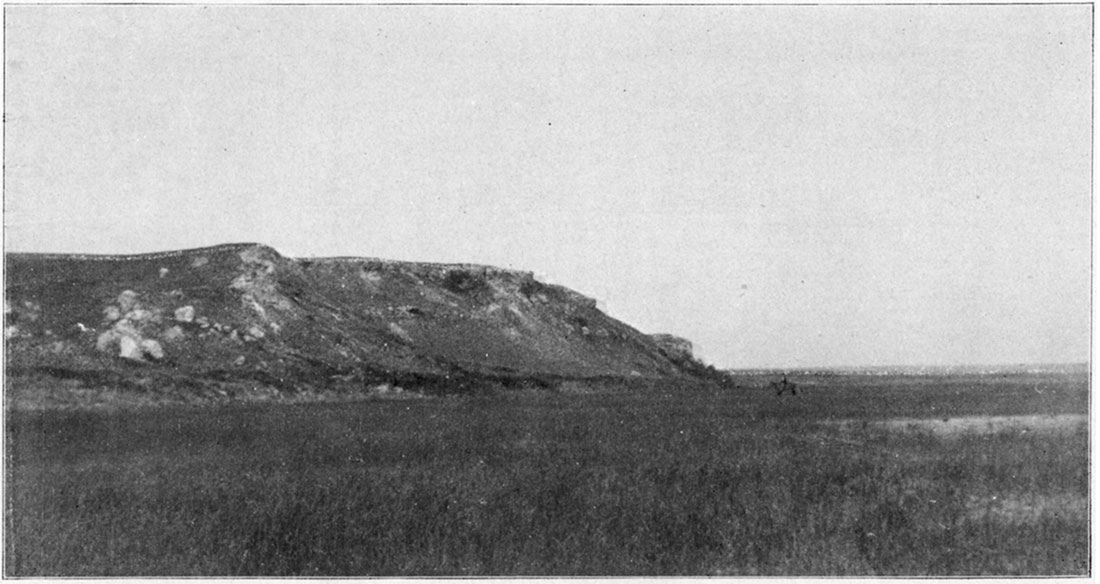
<point x="244" y="313"/>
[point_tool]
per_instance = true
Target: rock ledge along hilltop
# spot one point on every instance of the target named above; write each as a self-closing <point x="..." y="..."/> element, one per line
<point x="244" y="314"/>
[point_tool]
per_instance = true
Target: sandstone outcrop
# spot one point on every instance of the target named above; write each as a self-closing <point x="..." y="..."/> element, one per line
<point x="676" y="347"/>
<point x="245" y="312"/>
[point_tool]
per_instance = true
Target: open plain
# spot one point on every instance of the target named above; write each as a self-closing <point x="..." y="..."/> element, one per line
<point x="853" y="476"/>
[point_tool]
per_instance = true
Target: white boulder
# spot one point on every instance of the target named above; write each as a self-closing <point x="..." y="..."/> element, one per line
<point x="106" y="339"/>
<point x="152" y="349"/>
<point x="173" y="333"/>
<point x="127" y="300"/>
<point x="130" y="348"/>
<point x="111" y="313"/>
<point x="185" y="313"/>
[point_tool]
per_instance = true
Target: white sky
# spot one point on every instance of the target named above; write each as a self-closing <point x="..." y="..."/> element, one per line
<point x="784" y="185"/>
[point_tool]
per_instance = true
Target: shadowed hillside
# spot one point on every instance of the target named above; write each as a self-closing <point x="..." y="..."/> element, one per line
<point x="243" y="315"/>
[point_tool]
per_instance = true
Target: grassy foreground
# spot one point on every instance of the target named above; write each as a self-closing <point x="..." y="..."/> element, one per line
<point x="659" y="481"/>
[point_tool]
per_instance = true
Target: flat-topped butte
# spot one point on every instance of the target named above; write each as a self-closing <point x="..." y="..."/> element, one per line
<point x="243" y="313"/>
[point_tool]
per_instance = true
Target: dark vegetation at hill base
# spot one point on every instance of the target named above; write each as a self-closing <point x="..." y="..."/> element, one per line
<point x="242" y="321"/>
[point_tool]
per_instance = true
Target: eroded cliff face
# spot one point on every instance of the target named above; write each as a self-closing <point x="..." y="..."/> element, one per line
<point x="678" y="348"/>
<point x="243" y="312"/>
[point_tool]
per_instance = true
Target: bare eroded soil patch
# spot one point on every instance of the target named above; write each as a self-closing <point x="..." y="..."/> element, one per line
<point x="981" y="424"/>
<point x="1025" y="507"/>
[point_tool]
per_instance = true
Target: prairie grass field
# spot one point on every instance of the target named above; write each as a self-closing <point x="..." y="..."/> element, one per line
<point x="600" y="480"/>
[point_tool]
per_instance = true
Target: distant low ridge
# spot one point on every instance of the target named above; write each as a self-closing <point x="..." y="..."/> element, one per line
<point x="244" y="316"/>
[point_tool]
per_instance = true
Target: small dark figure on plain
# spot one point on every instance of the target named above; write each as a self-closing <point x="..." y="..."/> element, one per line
<point x="783" y="386"/>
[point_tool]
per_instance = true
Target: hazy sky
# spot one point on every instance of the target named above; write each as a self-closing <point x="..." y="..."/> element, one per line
<point x="784" y="185"/>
